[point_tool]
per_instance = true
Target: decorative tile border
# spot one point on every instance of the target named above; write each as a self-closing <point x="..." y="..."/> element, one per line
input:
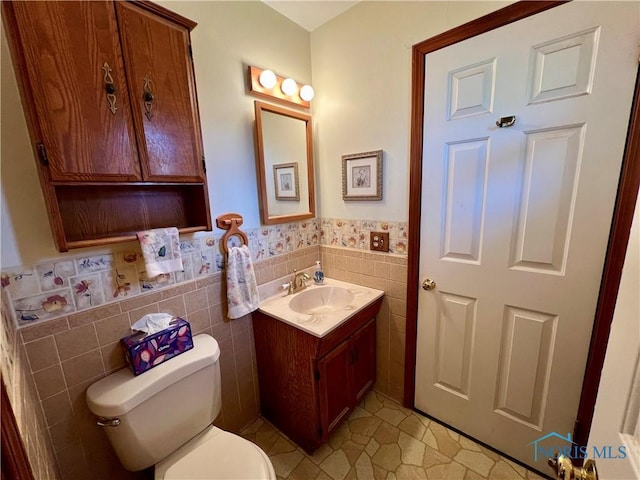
<point x="56" y="288"/>
<point x="355" y="233"/>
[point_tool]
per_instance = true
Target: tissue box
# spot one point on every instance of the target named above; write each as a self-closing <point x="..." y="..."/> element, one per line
<point x="145" y="352"/>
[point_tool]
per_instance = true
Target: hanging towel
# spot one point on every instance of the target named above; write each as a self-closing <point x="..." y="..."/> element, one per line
<point x="242" y="289"/>
<point x="161" y="251"/>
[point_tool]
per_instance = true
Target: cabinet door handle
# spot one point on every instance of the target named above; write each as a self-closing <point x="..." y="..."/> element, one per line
<point x="110" y="88"/>
<point x="147" y="97"/>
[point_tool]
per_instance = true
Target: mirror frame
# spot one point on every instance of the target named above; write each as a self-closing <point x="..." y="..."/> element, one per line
<point x="266" y="218"/>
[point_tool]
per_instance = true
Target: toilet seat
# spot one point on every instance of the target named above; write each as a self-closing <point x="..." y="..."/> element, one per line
<point x="216" y="454"/>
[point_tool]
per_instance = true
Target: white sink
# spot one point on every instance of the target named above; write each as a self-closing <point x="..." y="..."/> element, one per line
<point x="319" y="309"/>
<point x="322" y="300"/>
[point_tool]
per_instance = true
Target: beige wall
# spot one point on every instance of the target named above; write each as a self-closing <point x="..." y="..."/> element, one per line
<point x="361" y="64"/>
<point x="229" y="37"/>
<point x="57" y="360"/>
<point x="68" y="354"/>
<point x="387" y="273"/>
<point x="60" y="358"/>
<point x="25" y="403"/>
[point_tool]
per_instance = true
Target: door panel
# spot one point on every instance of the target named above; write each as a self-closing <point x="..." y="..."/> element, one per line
<point x="86" y="138"/>
<point x="156" y="53"/>
<point x="515" y="221"/>
<point x="454" y="341"/>
<point x="524" y="364"/>
<point x="465" y="170"/>
<point x="545" y="208"/>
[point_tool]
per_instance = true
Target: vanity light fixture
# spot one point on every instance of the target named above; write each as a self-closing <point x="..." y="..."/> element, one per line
<point x="289" y="86"/>
<point x="267" y="84"/>
<point x="307" y="93"/>
<point x="268" y="79"/>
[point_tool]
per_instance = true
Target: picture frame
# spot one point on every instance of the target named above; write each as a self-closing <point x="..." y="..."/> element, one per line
<point x="362" y="176"/>
<point x="285" y="178"/>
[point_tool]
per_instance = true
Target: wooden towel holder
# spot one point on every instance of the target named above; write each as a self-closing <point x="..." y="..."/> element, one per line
<point x="230" y="222"/>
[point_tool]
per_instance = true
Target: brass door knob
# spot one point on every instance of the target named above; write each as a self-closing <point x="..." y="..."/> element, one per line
<point x="428" y="284"/>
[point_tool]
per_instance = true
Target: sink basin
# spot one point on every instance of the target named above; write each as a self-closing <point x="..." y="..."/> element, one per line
<point x="320" y="309"/>
<point x="318" y="300"/>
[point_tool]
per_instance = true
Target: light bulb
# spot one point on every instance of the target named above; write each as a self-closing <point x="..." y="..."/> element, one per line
<point x="289" y="86"/>
<point x="267" y="79"/>
<point x="307" y="93"/>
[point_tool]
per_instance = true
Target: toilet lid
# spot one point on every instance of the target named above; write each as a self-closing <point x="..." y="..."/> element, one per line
<point x="216" y="454"/>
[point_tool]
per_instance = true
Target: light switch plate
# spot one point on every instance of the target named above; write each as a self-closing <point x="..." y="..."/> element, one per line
<point x="379" y="241"/>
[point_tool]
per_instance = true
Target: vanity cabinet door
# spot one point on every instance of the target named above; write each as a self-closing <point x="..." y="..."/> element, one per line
<point x="363" y="367"/>
<point x="162" y="87"/>
<point x="333" y="387"/>
<point x="77" y="86"/>
<point x="346" y="374"/>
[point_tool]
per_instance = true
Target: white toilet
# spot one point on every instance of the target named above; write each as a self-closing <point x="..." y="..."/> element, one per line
<point x="164" y="418"/>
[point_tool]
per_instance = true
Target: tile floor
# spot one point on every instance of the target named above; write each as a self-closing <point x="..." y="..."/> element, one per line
<point x="381" y="440"/>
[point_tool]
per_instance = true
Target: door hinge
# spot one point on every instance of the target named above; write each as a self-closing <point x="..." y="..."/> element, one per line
<point x="42" y="153"/>
<point x="204" y="165"/>
<point x="190" y="52"/>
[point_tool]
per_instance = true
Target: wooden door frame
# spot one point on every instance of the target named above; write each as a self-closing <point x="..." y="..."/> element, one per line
<point x="15" y="462"/>
<point x="620" y="227"/>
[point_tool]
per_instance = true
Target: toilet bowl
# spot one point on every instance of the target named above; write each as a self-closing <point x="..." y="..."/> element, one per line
<point x="216" y="454"/>
<point x="164" y="417"/>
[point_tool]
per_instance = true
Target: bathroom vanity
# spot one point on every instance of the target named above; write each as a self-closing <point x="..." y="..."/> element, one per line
<point x="316" y="356"/>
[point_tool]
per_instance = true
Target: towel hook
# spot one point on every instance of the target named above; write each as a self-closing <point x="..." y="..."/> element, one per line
<point x="231" y="223"/>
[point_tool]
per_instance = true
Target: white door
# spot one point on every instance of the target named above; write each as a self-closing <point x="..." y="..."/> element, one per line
<point x="616" y="419"/>
<point x="515" y="220"/>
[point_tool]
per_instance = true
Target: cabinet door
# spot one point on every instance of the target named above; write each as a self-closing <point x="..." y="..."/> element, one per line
<point x="162" y="88"/>
<point x="363" y="351"/>
<point x="333" y="386"/>
<point x="71" y="55"/>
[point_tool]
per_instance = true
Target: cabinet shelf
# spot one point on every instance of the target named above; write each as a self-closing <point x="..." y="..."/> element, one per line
<point x="94" y="214"/>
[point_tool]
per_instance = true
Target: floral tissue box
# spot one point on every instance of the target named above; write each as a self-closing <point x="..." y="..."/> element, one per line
<point x="144" y="352"/>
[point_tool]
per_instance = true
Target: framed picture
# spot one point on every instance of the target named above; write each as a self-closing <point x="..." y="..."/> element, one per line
<point x="285" y="176"/>
<point x="362" y="176"/>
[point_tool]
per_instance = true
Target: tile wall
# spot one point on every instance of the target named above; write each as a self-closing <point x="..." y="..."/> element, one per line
<point x="388" y="273"/>
<point x="25" y="402"/>
<point x="65" y="353"/>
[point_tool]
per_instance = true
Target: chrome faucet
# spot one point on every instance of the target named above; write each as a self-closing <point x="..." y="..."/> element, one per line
<point x="298" y="282"/>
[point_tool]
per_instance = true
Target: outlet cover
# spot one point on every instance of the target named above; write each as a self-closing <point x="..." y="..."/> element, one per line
<point x="379" y="241"/>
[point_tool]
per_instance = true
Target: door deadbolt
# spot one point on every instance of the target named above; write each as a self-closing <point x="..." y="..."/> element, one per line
<point x="428" y="284"/>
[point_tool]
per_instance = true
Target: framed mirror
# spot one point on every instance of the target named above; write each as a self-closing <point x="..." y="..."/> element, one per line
<point x="284" y="163"/>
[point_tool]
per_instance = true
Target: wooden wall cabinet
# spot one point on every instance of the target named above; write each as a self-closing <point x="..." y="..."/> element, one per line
<point x="309" y="384"/>
<point x="109" y="93"/>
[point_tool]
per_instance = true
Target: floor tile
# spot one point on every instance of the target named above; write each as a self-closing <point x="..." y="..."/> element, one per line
<point x="382" y="440"/>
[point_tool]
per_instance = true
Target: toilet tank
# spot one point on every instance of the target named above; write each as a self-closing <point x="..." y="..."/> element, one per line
<point x="150" y="416"/>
